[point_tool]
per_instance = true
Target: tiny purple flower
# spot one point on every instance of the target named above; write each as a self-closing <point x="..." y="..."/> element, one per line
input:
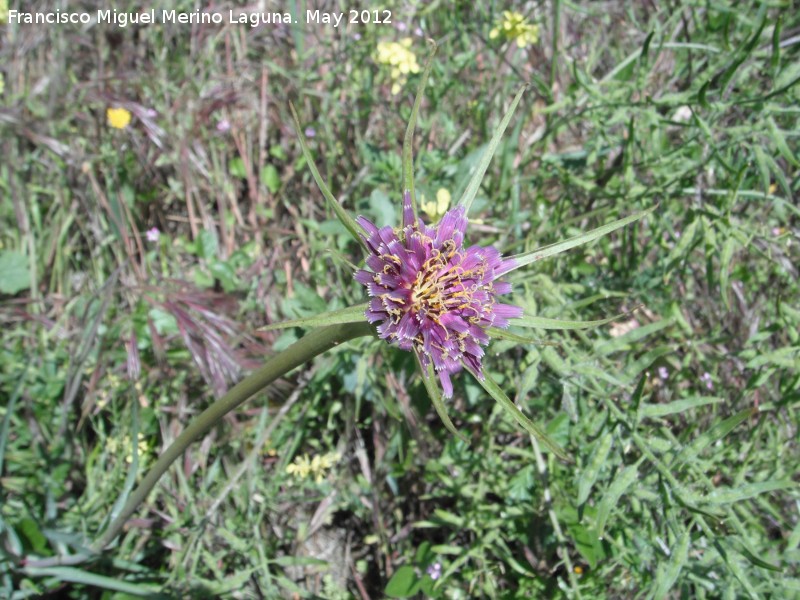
<point x="152" y="234"/>
<point x="663" y="372"/>
<point x="435" y="571"/>
<point x="706" y="378"/>
<point x="223" y="126"/>
<point x="433" y="296"/>
<point x="310" y="132"/>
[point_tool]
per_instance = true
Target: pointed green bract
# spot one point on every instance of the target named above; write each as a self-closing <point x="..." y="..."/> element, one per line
<point x="408" y="142"/>
<point x="345" y="219"/>
<point x="544" y="323"/>
<point x="429" y="378"/>
<point x="501" y="334"/>
<point x="495" y="392"/>
<point x="584" y="238"/>
<point x="480" y="171"/>
<point x="351" y="314"/>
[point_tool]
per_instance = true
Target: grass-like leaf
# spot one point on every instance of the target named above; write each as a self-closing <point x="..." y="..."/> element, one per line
<point x="475" y="182"/>
<point x="351" y="314"/>
<point x="588" y="477"/>
<point x="527" y="258"/>
<point x="343" y="216"/>
<point x="429" y="378"/>
<point x="408" y="141"/>
<point x="666" y="578"/>
<point x="502" y="334"/>
<point x="717" y="432"/>
<point x="545" y="323"/>
<point x="499" y="395"/>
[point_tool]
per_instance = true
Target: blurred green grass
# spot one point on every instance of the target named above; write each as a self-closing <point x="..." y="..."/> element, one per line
<point x="682" y="418"/>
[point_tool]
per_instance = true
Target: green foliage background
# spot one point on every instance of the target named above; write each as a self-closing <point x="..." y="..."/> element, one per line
<point x="682" y="418"/>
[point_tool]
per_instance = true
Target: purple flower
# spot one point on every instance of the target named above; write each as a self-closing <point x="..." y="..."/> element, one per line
<point x="435" y="571"/>
<point x="706" y="379"/>
<point x="433" y="296"/>
<point x="152" y="234"/>
<point x="310" y="132"/>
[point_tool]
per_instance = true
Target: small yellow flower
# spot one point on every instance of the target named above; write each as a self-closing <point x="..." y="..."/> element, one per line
<point x="514" y="26"/>
<point x="118" y="118"/>
<point x="400" y="60"/>
<point x="436" y="209"/>
<point x="116" y="446"/>
<point x="303" y="467"/>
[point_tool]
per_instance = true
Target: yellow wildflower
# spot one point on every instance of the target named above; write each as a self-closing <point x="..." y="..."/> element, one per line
<point x="303" y="466"/>
<point x="436" y="209"/>
<point x="116" y="446"/>
<point x="514" y="26"/>
<point x="400" y="60"/>
<point x="118" y="118"/>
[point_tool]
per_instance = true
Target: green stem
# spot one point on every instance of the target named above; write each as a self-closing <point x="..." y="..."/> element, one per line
<point x="316" y="342"/>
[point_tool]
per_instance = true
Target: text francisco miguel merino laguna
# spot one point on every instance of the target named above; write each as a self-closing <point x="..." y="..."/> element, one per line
<point x="197" y="17"/>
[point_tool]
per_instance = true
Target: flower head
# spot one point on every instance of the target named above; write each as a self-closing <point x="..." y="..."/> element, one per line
<point x="400" y="59"/>
<point x="433" y="296"/>
<point x="304" y="467"/>
<point x="118" y="118"/>
<point x="152" y="234"/>
<point x="514" y="26"/>
<point x="434" y="570"/>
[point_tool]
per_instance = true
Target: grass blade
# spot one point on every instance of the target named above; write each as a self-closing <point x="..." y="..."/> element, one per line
<point x="717" y="432"/>
<point x="351" y="314"/>
<point x="408" y="141"/>
<point x="545" y="323"/>
<point x="505" y="402"/>
<point x="678" y="406"/>
<point x="73" y="575"/>
<point x="747" y="491"/>
<point x="667" y="577"/>
<point x="475" y="182"/>
<point x="588" y="477"/>
<point x="624" y="480"/>
<point x="527" y="258"/>
<point x="429" y="379"/>
<point x="343" y="216"/>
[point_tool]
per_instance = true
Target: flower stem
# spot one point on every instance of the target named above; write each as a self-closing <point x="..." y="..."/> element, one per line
<point x="309" y="346"/>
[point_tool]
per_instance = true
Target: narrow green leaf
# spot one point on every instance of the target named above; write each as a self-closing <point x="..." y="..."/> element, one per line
<point x="666" y="578"/>
<point x="408" y="142"/>
<point x="351" y="314"/>
<point x="527" y="258"/>
<point x="624" y="480"/>
<point x="678" y="406"/>
<point x="745" y="551"/>
<point x="74" y="575"/>
<point x="346" y="220"/>
<point x="475" y="181"/>
<point x="744" y="492"/>
<point x="545" y="323"/>
<point x="780" y="143"/>
<point x="728" y="248"/>
<point x="717" y="432"/>
<point x="588" y="477"/>
<point x="429" y="379"/>
<point x="505" y="402"/>
<point x="502" y="334"/>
